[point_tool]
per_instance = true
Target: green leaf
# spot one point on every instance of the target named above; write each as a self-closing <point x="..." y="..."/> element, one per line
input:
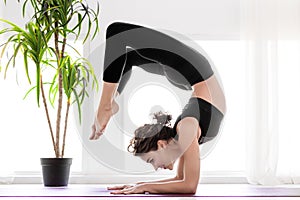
<point x="96" y="21"/>
<point x="48" y="63"/>
<point x="74" y="49"/>
<point x="79" y="21"/>
<point x="78" y="105"/>
<point x="7" y="65"/>
<point x="26" y="65"/>
<point x="27" y="93"/>
<point x="24" y="8"/>
<point x="5" y="46"/>
<point x="53" y="90"/>
<point x="16" y="51"/>
<point x="65" y="81"/>
<point x="38" y="84"/>
<point x="88" y="32"/>
<point x="73" y="75"/>
<point x="54" y="93"/>
<point x="14" y="26"/>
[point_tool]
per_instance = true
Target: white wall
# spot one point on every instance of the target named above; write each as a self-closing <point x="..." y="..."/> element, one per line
<point x="13" y="11"/>
<point x="214" y="17"/>
<point x="196" y="19"/>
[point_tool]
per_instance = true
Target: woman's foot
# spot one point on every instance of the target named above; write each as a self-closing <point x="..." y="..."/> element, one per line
<point x="104" y="114"/>
<point x="102" y="118"/>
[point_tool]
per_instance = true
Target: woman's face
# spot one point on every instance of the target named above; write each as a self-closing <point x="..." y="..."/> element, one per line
<point x="163" y="157"/>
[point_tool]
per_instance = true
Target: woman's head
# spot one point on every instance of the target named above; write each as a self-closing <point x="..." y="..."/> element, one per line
<point x="150" y="138"/>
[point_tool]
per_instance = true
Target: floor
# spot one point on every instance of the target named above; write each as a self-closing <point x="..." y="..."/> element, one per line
<point x="205" y="191"/>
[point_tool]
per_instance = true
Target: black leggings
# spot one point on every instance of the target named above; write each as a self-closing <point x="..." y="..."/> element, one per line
<point x="130" y="45"/>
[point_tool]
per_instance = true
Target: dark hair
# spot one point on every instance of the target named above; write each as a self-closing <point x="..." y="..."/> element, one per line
<point x="146" y="137"/>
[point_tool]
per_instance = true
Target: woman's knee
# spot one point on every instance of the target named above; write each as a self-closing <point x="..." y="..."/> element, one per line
<point x="118" y="27"/>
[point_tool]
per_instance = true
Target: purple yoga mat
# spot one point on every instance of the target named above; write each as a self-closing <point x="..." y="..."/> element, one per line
<point x="204" y="190"/>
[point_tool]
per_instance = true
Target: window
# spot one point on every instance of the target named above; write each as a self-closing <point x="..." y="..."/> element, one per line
<point x="25" y="124"/>
<point x="288" y="109"/>
<point x="228" y="57"/>
<point x="229" y="153"/>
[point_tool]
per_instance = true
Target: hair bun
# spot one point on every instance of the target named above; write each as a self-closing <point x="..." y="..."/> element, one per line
<point x="162" y="118"/>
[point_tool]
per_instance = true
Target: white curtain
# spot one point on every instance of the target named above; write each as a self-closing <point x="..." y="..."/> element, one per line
<point x="271" y="32"/>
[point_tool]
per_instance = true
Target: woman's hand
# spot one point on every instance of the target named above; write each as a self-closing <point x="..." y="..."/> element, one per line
<point x="129" y="189"/>
<point x="120" y="187"/>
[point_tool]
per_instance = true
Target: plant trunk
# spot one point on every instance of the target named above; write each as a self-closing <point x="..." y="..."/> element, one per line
<point x="65" y="129"/>
<point x="59" y="106"/>
<point x="63" y="47"/>
<point x="48" y="118"/>
<point x="68" y="103"/>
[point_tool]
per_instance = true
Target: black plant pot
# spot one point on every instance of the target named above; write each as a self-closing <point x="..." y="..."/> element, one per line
<point x="56" y="171"/>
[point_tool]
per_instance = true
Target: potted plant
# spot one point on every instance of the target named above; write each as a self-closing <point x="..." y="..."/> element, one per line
<point x="43" y="45"/>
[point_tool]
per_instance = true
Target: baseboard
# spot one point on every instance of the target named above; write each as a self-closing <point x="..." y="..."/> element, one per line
<point x="77" y="178"/>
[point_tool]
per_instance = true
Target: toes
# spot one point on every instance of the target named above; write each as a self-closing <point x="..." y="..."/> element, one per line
<point x="97" y="135"/>
<point x="93" y="132"/>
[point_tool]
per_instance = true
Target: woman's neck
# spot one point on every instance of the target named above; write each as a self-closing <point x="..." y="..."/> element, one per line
<point x="174" y="149"/>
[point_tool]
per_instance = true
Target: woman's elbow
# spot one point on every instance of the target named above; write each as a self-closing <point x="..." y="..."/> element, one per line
<point x="191" y="188"/>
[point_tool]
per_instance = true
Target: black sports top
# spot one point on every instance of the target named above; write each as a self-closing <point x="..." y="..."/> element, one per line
<point x="129" y="44"/>
<point x="208" y="116"/>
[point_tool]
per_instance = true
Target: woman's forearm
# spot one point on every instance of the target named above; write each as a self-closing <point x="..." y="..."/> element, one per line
<point x="160" y="181"/>
<point x="177" y="186"/>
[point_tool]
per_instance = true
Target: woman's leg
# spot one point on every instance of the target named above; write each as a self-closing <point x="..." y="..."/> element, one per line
<point x="115" y="66"/>
<point x="115" y="76"/>
<point x="107" y="107"/>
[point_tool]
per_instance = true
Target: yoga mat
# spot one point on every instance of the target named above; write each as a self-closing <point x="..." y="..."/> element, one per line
<point x="204" y="190"/>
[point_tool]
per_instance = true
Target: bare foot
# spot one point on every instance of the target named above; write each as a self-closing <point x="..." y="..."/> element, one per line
<point x="102" y="118"/>
<point x="104" y="114"/>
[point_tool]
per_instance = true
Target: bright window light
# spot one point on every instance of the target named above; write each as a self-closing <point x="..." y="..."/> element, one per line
<point x="228" y="58"/>
<point x="25" y="136"/>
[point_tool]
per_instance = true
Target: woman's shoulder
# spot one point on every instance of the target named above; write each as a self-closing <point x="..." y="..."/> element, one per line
<point x="187" y="124"/>
<point x="187" y="121"/>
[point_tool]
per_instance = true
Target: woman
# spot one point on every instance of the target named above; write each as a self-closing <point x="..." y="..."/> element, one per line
<point x="159" y="143"/>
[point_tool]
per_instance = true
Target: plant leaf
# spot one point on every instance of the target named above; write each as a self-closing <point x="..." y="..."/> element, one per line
<point x="27" y="93"/>
<point x="26" y="65"/>
<point x="78" y="105"/>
